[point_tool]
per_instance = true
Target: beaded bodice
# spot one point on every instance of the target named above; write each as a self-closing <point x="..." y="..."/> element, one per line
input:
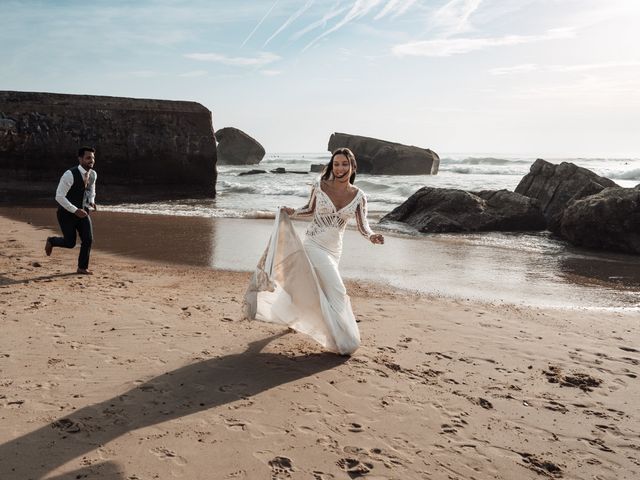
<point x="326" y="217"/>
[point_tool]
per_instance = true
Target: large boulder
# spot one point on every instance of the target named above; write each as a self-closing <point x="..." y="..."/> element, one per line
<point x="237" y="148"/>
<point x="556" y="186"/>
<point x="438" y="210"/>
<point x="608" y="220"/>
<point x="379" y="157"/>
<point x="154" y="145"/>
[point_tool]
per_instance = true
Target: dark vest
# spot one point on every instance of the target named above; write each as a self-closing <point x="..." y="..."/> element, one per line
<point x="76" y="192"/>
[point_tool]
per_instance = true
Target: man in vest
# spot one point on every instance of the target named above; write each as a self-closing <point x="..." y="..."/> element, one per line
<point x="76" y="193"/>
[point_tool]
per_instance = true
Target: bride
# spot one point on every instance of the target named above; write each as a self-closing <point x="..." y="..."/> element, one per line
<point x="297" y="283"/>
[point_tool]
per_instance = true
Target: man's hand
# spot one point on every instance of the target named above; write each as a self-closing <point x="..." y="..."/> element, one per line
<point x="80" y="213"/>
<point x="93" y="205"/>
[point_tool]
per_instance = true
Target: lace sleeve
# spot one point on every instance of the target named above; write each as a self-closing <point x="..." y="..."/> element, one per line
<point x="308" y="209"/>
<point x="361" y="217"/>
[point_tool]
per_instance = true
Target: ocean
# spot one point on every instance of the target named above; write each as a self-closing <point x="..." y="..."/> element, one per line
<point x="258" y="196"/>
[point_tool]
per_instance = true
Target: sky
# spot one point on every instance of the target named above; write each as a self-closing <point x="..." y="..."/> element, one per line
<point x="545" y="78"/>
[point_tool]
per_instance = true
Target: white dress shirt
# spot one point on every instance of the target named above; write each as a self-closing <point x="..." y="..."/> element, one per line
<point x="66" y="182"/>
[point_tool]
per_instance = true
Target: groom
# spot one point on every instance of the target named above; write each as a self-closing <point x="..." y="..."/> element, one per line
<point x="76" y="193"/>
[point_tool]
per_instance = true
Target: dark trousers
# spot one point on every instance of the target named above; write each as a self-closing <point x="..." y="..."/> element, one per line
<point x="70" y="224"/>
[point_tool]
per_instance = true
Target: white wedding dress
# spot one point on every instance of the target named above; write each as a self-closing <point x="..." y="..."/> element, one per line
<point x="298" y="284"/>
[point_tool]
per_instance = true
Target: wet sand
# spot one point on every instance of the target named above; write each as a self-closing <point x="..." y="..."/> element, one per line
<point x="489" y="267"/>
<point x="147" y="370"/>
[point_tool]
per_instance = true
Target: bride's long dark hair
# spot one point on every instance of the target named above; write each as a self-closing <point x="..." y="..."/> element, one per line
<point x="328" y="170"/>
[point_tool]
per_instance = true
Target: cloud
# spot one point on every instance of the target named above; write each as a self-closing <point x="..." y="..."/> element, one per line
<point x="406" y="6"/>
<point x="144" y="73"/>
<point x="334" y="12"/>
<point x="527" y="67"/>
<point x="359" y="9"/>
<point x="386" y="9"/>
<point x="587" y="67"/>
<point x="445" y="47"/>
<point x="270" y="73"/>
<point x="453" y="17"/>
<point x="395" y="8"/>
<point x="593" y="66"/>
<point x="590" y="89"/>
<point x="290" y="20"/>
<point x="263" y="59"/>
<point x="194" y="73"/>
<point x="260" y="23"/>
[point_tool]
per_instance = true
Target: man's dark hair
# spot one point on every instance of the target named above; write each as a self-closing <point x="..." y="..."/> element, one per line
<point x="81" y="150"/>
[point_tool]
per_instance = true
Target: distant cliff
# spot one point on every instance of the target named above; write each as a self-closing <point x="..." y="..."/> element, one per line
<point x="144" y="148"/>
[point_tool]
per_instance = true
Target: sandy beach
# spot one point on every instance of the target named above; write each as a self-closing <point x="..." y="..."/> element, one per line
<point x="147" y="370"/>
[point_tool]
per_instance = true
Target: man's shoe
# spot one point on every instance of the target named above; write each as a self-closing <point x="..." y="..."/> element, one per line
<point x="84" y="271"/>
<point x="48" y="247"/>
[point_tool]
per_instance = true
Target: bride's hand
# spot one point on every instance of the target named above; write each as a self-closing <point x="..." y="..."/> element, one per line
<point x="377" y="239"/>
<point x="289" y="211"/>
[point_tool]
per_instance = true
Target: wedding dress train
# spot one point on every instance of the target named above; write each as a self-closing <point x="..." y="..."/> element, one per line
<point x="298" y="283"/>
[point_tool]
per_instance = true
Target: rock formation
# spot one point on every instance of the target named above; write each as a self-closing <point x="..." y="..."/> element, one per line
<point x="556" y="186"/>
<point x="251" y="172"/>
<point x="608" y="220"/>
<point x="142" y="146"/>
<point x="237" y="148"/>
<point x="379" y="157"/>
<point x="438" y="210"/>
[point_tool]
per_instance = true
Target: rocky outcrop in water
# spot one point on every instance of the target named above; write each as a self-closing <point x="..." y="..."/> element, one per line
<point x="556" y="186"/>
<point x="608" y="220"/>
<point x="439" y="210"/>
<point x="380" y="157"/>
<point x="144" y="148"/>
<point x="237" y="148"/>
<point x="573" y="202"/>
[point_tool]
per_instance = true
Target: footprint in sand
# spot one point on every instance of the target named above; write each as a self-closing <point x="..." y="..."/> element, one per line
<point x="446" y="428"/>
<point x="355" y="428"/>
<point x="164" y="453"/>
<point x="597" y="443"/>
<point x="353" y="450"/>
<point x="236" y="474"/>
<point x="556" y="406"/>
<point x="355" y="468"/>
<point x="281" y="468"/>
<point x="67" y="425"/>
<point x="318" y="475"/>
<point x="583" y="381"/>
<point x="541" y="467"/>
<point x="389" y="460"/>
<point x="235" y="425"/>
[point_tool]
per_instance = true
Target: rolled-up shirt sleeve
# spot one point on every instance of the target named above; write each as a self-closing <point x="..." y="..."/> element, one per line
<point x="66" y="181"/>
<point x="91" y="188"/>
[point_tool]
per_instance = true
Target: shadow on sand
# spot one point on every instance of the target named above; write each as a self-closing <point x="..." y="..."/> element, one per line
<point x="4" y="281"/>
<point x="187" y="390"/>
